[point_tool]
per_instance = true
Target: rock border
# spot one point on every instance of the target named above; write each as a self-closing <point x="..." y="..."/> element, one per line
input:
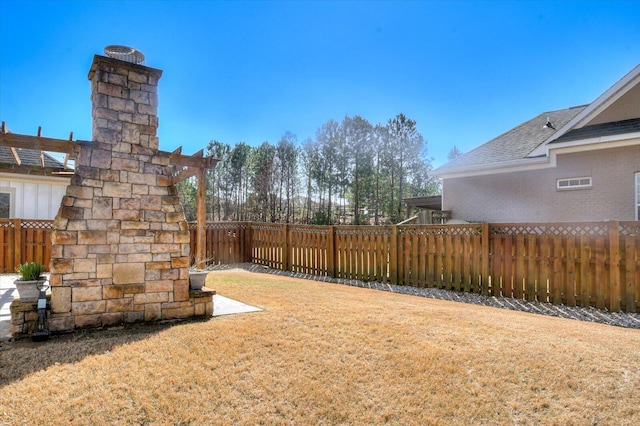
<point x="589" y="314"/>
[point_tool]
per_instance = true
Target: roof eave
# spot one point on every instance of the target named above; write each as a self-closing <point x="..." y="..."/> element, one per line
<point x="494" y="168"/>
<point x="602" y="142"/>
<point x="64" y="179"/>
<point x="603" y="101"/>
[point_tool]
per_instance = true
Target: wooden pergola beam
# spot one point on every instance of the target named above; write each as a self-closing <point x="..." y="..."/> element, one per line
<point x="195" y="165"/>
<point x="71" y="147"/>
<point x="196" y="160"/>
<point x="185" y="174"/>
<point x="37" y="143"/>
<point x="201" y="213"/>
<point x="15" y="156"/>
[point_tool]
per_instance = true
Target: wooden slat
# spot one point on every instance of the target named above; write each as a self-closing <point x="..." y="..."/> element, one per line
<point x="331" y="266"/>
<point x="430" y="274"/>
<point x="40" y="143"/>
<point x="570" y="270"/>
<point x="615" y="289"/>
<point x="439" y="249"/>
<point x="201" y="213"/>
<point x="520" y="267"/>
<point x="466" y="263"/>
<point x="16" y="157"/>
<point x="4" y="255"/>
<point x="447" y="264"/>
<point x="630" y="266"/>
<point x="17" y="246"/>
<point x="408" y="254"/>
<point x="455" y="263"/>
<point x="508" y="281"/>
<point x="585" y="272"/>
<point x="358" y="257"/>
<point x="415" y="265"/>
<point x="543" y="269"/>
<point x="498" y="261"/>
<point x="393" y="255"/>
<point x="558" y="284"/>
<point x="422" y="260"/>
<point x="185" y="174"/>
<point x="600" y="283"/>
<point x="478" y="254"/>
<point x="532" y="267"/>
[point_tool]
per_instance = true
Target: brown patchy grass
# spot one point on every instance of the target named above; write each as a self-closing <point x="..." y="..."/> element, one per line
<point x="329" y="354"/>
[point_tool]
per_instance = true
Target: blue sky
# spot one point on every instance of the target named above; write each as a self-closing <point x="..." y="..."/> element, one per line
<point x="249" y="71"/>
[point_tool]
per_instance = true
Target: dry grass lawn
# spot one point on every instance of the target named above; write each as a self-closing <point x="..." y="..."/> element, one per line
<point x="329" y="354"/>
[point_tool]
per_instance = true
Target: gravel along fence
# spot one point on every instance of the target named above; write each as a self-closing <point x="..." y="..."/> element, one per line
<point x="619" y="319"/>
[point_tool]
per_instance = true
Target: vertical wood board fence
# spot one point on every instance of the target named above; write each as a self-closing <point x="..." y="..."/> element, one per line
<point x="226" y="242"/>
<point x="577" y="264"/>
<point x="23" y="240"/>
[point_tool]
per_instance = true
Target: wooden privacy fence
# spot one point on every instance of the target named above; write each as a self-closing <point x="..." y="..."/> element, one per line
<point x="226" y="242"/>
<point x="585" y="264"/>
<point x="23" y="241"/>
<point x="578" y="264"/>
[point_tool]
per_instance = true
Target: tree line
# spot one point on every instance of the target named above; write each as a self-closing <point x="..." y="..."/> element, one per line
<point x="353" y="172"/>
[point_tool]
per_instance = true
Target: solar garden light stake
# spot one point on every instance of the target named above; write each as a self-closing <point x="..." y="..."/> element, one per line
<point x="41" y="334"/>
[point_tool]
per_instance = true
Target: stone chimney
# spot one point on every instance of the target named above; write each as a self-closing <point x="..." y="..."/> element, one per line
<point x="120" y="251"/>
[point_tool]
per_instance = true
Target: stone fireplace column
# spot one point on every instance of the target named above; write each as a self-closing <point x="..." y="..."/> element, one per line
<point x="120" y="251"/>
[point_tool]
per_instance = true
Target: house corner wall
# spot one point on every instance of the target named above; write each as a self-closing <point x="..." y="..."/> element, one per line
<point x="531" y="196"/>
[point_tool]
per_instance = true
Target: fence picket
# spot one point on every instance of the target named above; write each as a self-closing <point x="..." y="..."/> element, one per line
<point x="630" y="273"/>
<point x="570" y="268"/>
<point x="558" y="288"/>
<point x="507" y="280"/>
<point x="600" y="276"/>
<point x="546" y="275"/>
<point x="585" y="272"/>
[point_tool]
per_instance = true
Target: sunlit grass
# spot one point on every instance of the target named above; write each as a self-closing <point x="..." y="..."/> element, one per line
<point x="330" y="354"/>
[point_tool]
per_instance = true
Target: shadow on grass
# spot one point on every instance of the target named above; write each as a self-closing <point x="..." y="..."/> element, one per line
<point x="21" y="358"/>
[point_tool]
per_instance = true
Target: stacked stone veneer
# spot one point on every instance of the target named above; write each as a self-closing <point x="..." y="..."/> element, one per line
<point x="120" y="249"/>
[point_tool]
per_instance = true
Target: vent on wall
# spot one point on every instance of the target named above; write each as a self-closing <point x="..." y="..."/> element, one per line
<point x="124" y="53"/>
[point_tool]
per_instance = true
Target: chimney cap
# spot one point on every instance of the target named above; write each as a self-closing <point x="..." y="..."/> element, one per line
<point x="124" y="53"/>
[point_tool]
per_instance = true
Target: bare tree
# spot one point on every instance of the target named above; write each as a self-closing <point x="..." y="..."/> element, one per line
<point x="454" y="153"/>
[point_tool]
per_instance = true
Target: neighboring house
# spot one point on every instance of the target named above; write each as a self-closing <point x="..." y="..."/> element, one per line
<point x="574" y="164"/>
<point x="32" y="184"/>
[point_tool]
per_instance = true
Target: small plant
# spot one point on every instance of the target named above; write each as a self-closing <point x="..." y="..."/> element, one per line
<point x="30" y="271"/>
<point x="201" y="265"/>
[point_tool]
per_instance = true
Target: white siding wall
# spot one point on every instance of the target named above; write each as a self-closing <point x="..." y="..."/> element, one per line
<point x="36" y="197"/>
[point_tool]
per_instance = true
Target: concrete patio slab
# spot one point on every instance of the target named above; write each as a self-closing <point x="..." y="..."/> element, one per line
<point x="221" y="305"/>
<point x="7" y="294"/>
<point x="225" y="306"/>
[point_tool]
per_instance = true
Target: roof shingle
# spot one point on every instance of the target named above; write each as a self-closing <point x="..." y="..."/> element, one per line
<point x="515" y="144"/>
<point x="28" y="157"/>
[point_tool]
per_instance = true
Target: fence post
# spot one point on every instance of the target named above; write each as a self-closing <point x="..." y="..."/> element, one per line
<point x="17" y="244"/>
<point x="248" y="244"/>
<point x="393" y="256"/>
<point x="331" y="252"/>
<point x="614" y="266"/>
<point x="286" y="259"/>
<point x="484" y="267"/>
